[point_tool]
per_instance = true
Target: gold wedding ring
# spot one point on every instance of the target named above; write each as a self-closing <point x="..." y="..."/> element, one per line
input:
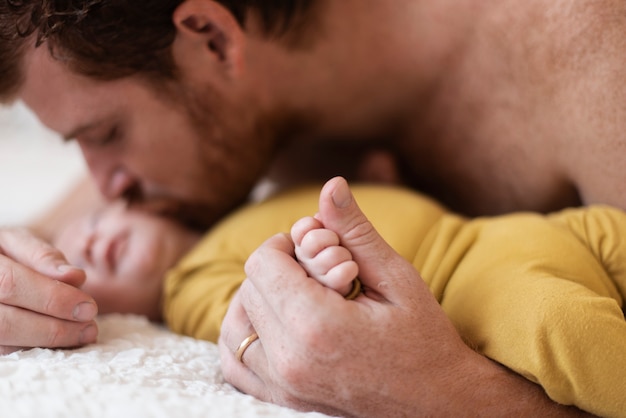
<point x="355" y="291"/>
<point x="244" y="346"/>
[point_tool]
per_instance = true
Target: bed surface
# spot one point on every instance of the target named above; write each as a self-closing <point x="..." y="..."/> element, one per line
<point x="137" y="369"/>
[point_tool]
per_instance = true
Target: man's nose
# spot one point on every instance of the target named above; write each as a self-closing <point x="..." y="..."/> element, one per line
<point x="115" y="184"/>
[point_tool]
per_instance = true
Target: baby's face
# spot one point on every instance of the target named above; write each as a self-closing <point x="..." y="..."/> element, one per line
<point x="125" y="254"/>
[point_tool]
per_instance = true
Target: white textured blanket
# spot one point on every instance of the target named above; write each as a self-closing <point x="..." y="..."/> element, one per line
<point x="137" y="369"/>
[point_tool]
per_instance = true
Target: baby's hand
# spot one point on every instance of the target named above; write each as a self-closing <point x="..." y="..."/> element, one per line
<point x="319" y="252"/>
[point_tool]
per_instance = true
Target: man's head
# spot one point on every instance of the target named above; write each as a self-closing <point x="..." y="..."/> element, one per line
<point x="111" y="39"/>
<point x="157" y="93"/>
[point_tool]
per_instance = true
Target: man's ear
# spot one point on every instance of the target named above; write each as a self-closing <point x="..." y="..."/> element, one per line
<point x="207" y="37"/>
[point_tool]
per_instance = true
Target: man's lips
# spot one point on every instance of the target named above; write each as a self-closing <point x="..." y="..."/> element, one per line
<point x="157" y="206"/>
<point x="194" y="215"/>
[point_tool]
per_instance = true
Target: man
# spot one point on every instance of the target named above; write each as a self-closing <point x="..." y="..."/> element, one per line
<point x="491" y="106"/>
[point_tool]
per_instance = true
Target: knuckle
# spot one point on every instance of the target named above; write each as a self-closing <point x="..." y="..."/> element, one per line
<point x="46" y="253"/>
<point x="50" y="306"/>
<point x="362" y="232"/>
<point x="293" y="374"/>
<point x="315" y="336"/>
<point x="7" y="283"/>
<point x="55" y="334"/>
<point x="294" y="368"/>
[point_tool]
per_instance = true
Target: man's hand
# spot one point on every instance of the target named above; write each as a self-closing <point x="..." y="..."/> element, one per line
<point x="40" y="304"/>
<point x="389" y="352"/>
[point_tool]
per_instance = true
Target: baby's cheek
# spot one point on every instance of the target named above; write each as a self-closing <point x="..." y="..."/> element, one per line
<point x="139" y="267"/>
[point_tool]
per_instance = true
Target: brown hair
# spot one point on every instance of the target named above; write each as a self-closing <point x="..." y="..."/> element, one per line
<point x="110" y="39"/>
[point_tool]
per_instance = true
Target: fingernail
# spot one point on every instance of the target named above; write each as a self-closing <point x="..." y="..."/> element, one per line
<point x="66" y="268"/>
<point x="85" y="311"/>
<point x="88" y="334"/>
<point x="342" y="196"/>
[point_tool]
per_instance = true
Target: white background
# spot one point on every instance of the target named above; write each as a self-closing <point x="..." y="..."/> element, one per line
<point x="36" y="167"/>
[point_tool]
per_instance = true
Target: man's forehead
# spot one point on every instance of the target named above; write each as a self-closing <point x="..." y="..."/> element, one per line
<point x="60" y="98"/>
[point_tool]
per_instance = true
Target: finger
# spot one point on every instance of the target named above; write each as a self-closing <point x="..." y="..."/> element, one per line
<point x="379" y="264"/>
<point x="239" y="375"/>
<point x="23" y="247"/>
<point x="301" y="227"/>
<point x="281" y="282"/>
<point x="341" y="276"/>
<point x="27" y="289"/>
<point x="235" y="328"/>
<point x="328" y="258"/>
<point x="315" y="241"/>
<point x="8" y="349"/>
<point x="22" y="328"/>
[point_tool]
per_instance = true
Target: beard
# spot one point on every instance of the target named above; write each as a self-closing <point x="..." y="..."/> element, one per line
<point x="235" y="147"/>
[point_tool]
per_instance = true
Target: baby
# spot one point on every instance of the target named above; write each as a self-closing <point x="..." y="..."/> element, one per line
<point x="126" y="255"/>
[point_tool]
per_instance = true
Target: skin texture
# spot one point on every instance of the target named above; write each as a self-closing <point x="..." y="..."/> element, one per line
<point x="490" y="106"/>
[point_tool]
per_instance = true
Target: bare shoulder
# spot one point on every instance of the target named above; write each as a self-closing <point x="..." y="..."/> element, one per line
<point x="593" y="99"/>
